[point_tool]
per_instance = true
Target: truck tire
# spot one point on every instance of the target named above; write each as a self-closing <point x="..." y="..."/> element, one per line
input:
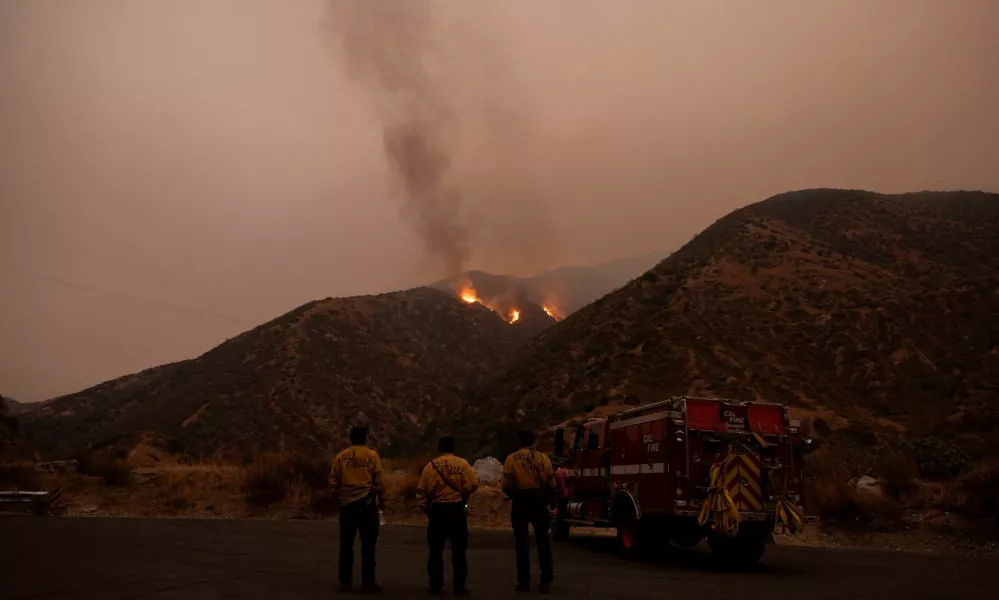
<point x="628" y="538"/>
<point x="560" y="530"/>
<point x="687" y="539"/>
<point x="739" y="552"/>
<point x="636" y="538"/>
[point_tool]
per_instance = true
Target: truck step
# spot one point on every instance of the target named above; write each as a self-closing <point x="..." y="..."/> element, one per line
<point x="582" y="523"/>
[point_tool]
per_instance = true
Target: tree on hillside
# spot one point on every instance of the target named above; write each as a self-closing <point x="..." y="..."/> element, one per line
<point x="8" y="426"/>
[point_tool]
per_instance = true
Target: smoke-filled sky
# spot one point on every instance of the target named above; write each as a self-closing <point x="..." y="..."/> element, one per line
<point x="242" y="157"/>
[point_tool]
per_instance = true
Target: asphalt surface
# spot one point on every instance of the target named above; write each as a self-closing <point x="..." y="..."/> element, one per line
<point x="111" y="559"/>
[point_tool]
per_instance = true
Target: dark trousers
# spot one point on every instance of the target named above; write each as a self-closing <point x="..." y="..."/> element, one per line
<point x="358" y="517"/>
<point x="447" y="522"/>
<point x="530" y="510"/>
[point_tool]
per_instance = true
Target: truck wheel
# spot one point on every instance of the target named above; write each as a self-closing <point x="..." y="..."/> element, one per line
<point x="560" y="531"/>
<point x="635" y="538"/>
<point x="738" y="552"/>
<point x="627" y="537"/>
<point x="686" y="539"/>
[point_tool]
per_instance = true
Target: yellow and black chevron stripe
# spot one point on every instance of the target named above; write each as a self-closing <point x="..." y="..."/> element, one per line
<point x="742" y="480"/>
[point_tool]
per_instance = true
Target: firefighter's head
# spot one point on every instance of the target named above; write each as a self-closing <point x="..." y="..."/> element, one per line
<point x="358" y="435"/>
<point x="526" y="438"/>
<point x="445" y="445"/>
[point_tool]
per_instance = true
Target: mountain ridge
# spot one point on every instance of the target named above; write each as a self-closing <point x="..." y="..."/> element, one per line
<point x="824" y="299"/>
<point x="562" y="291"/>
<point x="401" y="359"/>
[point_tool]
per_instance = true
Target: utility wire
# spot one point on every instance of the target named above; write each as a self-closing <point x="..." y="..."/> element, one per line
<point x="147" y="301"/>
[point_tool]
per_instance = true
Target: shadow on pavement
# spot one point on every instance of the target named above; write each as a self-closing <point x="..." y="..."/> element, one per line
<point x="693" y="559"/>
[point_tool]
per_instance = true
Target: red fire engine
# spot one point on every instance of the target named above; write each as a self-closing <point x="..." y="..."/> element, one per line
<point x="683" y="470"/>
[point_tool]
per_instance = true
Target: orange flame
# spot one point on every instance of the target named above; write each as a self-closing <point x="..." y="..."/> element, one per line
<point x="550" y="313"/>
<point x="468" y="294"/>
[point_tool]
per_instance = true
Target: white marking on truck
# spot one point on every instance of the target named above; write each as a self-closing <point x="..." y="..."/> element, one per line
<point x="636" y="469"/>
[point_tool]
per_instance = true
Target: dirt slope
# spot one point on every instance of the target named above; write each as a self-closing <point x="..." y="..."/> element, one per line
<point x="403" y="359"/>
<point x="873" y="307"/>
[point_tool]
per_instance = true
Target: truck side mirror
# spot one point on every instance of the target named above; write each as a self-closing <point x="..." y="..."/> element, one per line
<point x="559" y="442"/>
<point x="593" y="442"/>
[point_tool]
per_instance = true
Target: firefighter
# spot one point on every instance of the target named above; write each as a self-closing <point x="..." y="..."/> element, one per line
<point x="529" y="482"/>
<point x="443" y="491"/>
<point x="357" y="483"/>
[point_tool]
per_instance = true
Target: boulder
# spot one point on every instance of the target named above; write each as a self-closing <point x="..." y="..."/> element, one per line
<point x="489" y="470"/>
<point x="867" y="486"/>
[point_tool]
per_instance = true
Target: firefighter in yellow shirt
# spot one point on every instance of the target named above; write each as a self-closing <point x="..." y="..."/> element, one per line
<point x="443" y="491"/>
<point x="356" y="482"/>
<point x="529" y="482"/>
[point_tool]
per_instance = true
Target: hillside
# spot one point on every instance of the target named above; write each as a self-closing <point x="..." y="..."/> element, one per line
<point x="562" y="291"/>
<point x="16" y="408"/>
<point x="879" y="313"/>
<point x="572" y="288"/>
<point x="503" y="294"/>
<point x="403" y="359"/>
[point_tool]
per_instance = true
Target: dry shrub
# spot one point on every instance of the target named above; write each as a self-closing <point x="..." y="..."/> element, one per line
<point x="267" y="480"/>
<point x="182" y="503"/>
<point x="821" y="427"/>
<point x="312" y="472"/>
<point x="271" y="476"/>
<point x="826" y="491"/>
<point x="980" y="492"/>
<point x="405" y="465"/>
<point x="829" y="495"/>
<point x="941" y="496"/>
<point x="105" y="465"/>
<point x="402" y="477"/>
<point x="897" y="473"/>
<point x="19" y="476"/>
<point x="323" y="502"/>
<point x="188" y="485"/>
<point x="401" y="487"/>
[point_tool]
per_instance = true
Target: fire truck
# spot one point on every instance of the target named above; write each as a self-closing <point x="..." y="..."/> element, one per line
<point x="682" y="470"/>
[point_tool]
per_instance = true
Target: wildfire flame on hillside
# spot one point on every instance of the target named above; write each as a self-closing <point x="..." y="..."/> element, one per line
<point x="550" y="313"/>
<point x="469" y="295"/>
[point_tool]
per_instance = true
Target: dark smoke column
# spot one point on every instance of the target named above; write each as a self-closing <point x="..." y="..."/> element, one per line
<point x="383" y="44"/>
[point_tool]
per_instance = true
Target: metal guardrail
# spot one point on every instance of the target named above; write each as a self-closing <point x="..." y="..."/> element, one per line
<point x="37" y="502"/>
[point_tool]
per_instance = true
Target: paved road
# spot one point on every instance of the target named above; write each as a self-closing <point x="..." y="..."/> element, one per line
<point x="118" y="559"/>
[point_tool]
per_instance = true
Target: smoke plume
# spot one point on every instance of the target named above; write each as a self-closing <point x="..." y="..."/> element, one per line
<point x="455" y="179"/>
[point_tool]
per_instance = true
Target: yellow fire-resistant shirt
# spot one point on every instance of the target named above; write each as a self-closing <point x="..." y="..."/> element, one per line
<point x="354" y="473"/>
<point x="527" y="469"/>
<point x="432" y="487"/>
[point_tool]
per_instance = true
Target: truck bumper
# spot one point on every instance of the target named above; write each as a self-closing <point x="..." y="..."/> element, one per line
<point x="746" y="515"/>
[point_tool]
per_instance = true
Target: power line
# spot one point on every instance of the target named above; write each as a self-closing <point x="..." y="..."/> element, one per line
<point x="147" y="301"/>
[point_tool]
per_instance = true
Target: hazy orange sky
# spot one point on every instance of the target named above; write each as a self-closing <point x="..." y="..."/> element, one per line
<point x="226" y="155"/>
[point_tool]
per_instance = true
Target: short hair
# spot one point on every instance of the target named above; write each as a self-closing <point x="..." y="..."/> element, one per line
<point x="526" y="437"/>
<point x="358" y="435"/>
<point x="445" y="444"/>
